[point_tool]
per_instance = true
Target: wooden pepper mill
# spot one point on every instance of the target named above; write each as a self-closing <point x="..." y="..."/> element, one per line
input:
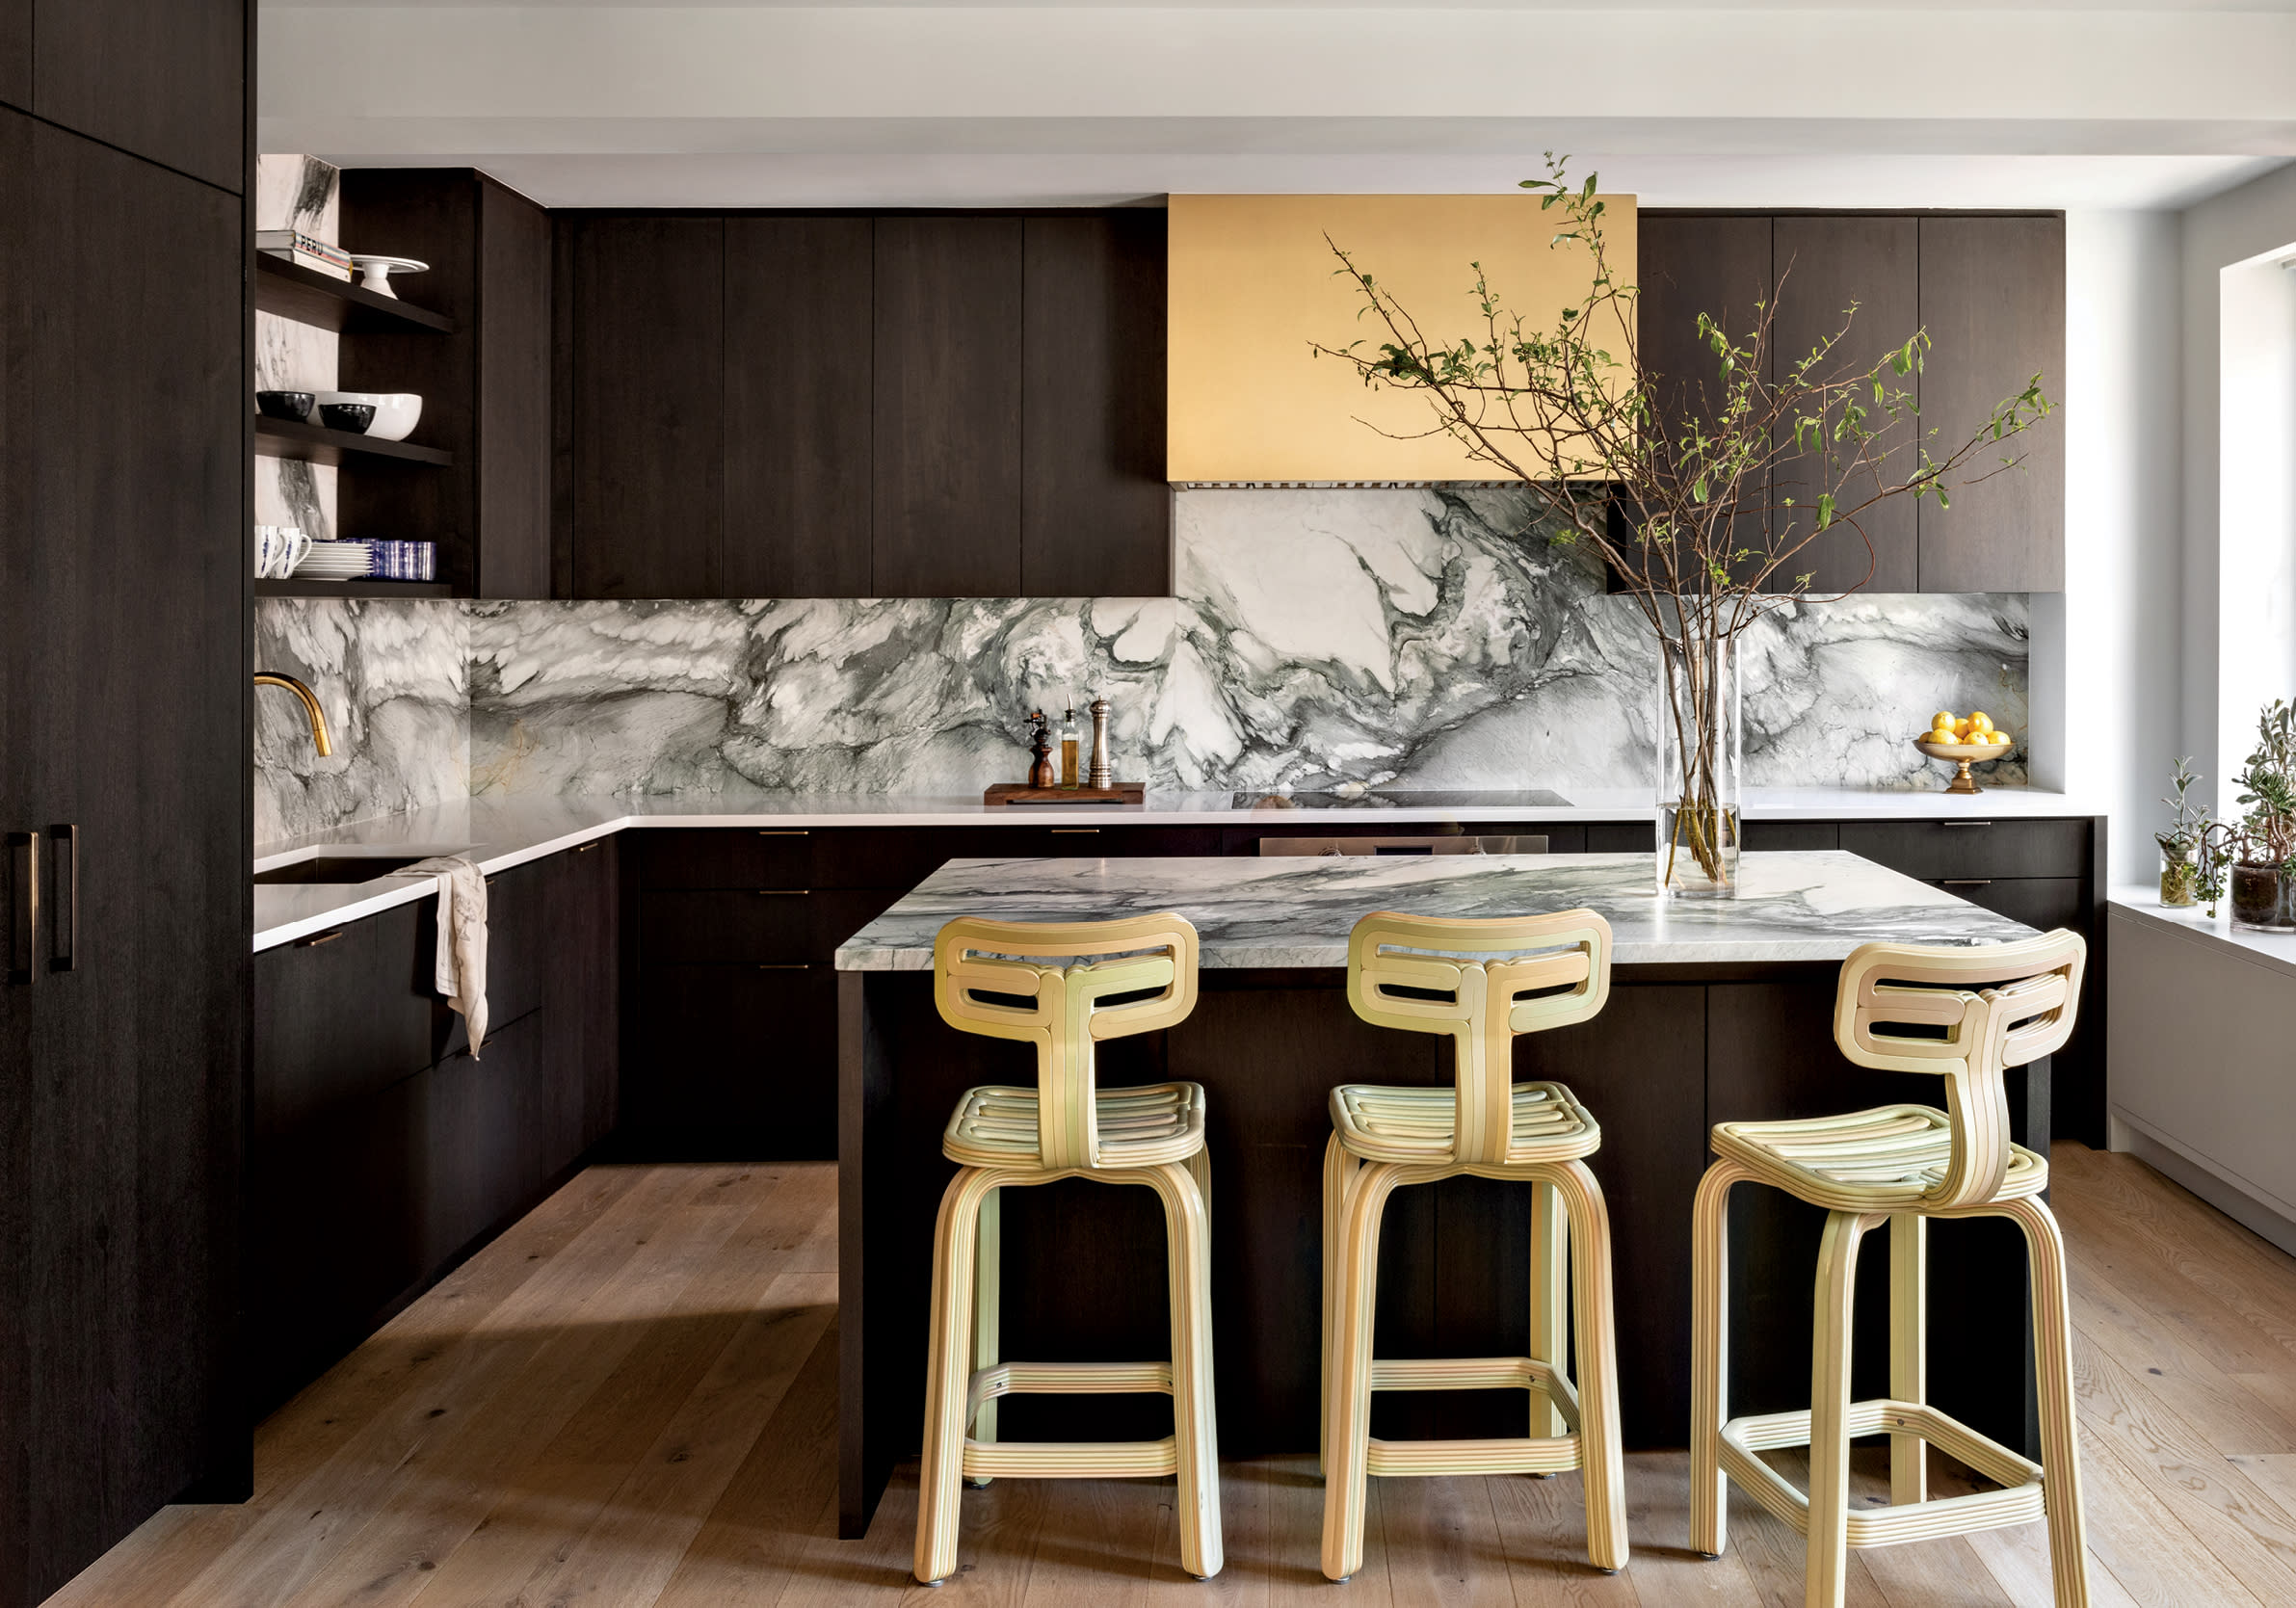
<point x="1041" y="773"/>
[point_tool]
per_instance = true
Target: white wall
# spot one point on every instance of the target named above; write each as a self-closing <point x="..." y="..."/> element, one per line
<point x="2239" y="531"/>
<point x="2106" y="650"/>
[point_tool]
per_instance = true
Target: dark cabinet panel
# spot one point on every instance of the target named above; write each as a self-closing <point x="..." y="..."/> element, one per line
<point x="1770" y="836"/>
<point x="946" y="473"/>
<point x="1993" y="298"/>
<point x="751" y="925"/>
<point x="123" y="712"/>
<point x="736" y="858"/>
<point x="338" y="1021"/>
<point x="1096" y="513"/>
<point x="513" y="337"/>
<point x="734" y="1061"/>
<point x="646" y="360"/>
<point x="799" y="328"/>
<point x="1934" y="850"/>
<point x="165" y="80"/>
<point x="1693" y="263"/>
<point x="1824" y="265"/>
<point x="15" y="53"/>
<point x="2043" y="902"/>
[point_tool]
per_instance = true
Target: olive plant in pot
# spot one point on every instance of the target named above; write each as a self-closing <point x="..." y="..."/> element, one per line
<point x="2261" y="852"/>
<point x="1702" y="520"/>
<point x="2180" y="845"/>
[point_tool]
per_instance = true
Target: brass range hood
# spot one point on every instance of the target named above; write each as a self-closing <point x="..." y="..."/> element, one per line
<point x="1254" y="282"/>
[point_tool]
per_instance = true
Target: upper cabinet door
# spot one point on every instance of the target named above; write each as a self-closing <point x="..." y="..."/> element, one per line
<point x="15" y="53"/>
<point x="1993" y="298"/>
<point x="1716" y="264"/>
<point x="948" y="387"/>
<point x="799" y="332"/>
<point x="1095" y="511"/>
<point x="646" y="360"/>
<point x="165" y="79"/>
<point x="1825" y="265"/>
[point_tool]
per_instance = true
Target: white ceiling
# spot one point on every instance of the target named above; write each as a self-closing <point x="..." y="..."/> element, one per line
<point x="1878" y="103"/>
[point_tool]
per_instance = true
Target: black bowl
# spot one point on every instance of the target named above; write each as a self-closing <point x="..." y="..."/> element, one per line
<point x="350" y="416"/>
<point x="284" y="405"/>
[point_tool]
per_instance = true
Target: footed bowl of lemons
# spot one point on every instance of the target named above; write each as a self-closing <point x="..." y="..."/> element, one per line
<point x="1966" y="740"/>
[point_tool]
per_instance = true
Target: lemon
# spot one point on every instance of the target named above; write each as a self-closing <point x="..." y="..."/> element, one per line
<point x="1981" y="722"/>
<point x="1941" y="721"/>
<point x="1961" y="731"/>
<point x="1998" y="738"/>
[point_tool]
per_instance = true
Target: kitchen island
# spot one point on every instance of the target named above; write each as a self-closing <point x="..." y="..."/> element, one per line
<point x="1719" y="1010"/>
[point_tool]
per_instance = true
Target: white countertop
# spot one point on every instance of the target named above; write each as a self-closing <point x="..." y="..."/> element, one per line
<point x="1289" y="912"/>
<point x="2140" y="901"/>
<point x="499" y="833"/>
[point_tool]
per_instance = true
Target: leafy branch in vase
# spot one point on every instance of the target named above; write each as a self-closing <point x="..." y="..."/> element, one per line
<point x="1701" y="511"/>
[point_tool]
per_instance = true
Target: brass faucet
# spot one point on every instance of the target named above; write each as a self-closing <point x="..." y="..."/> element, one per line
<point x="310" y="706"/>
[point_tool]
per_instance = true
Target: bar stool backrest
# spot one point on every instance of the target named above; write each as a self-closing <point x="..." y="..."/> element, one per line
<point x="1481" y="982"/>
<point x="1999" y="1006"/>
<point x="1041" y="983"/>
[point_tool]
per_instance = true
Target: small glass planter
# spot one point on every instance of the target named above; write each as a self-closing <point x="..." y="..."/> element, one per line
<point x="2263" y="899"/>
<point x="1701" y="743"/>
<point x="2179" y="878"/>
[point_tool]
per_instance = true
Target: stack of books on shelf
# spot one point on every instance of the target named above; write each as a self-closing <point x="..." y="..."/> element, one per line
<point x="322" y="255"/>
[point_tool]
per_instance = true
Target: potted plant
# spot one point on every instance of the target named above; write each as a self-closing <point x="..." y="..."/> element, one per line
<point x="1569" y="408"/>
<point x="2263" y="849"/>
<point x="2180" y="845"/>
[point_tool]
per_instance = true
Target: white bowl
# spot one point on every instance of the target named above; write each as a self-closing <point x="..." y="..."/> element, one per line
<point x="396" y="412"/>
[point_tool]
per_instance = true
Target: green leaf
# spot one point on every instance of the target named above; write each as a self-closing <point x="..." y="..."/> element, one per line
<point x="1824" y="509"/>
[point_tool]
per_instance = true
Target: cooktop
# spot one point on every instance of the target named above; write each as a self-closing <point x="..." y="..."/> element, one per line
<point x="1501" y="798"/>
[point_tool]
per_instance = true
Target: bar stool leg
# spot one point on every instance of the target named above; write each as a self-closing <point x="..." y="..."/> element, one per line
<point x="987" y="1307"/>
<point x="948" y="1371"/>
<point x="1193" y="1412"/>
<point x="1550" y="1302"/>
<point x="1601" y="1464"/>
<point x="1909" y="1350"/>
<point x="2060" y="1444"/>
<point x="1347" y="1453"/>
<point x="1339" y="1168"/>
<point x="1710" y="1356"/>
<point x="1826" y="1577"/>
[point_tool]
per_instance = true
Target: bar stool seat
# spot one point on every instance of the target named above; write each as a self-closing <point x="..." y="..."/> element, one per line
<point x="1891" y="1156"/>
<point x="997" y="1125"/>
<point x="1376" y="1122"/>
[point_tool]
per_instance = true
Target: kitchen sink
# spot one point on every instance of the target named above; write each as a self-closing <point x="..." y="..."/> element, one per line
<point x="338" y="868"/>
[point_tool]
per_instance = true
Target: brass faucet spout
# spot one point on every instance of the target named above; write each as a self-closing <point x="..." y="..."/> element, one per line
<point x="310" y="706"/>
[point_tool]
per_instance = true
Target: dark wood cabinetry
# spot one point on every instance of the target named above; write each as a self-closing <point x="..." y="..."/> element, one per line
<point x="1990" y="289"/>
<point x="646" y="369"/>
<point x="484" y="381"/>
<point x="946" y="489"/>
<point x="800" y="323"/>
<point x="911" y="405"/>
<point x="383" y="1150"/>
<point x="123" y="717"/>
<point x="1993" y="298"/>
<point x="15" y="53"/>
<point x="163" y="79"/>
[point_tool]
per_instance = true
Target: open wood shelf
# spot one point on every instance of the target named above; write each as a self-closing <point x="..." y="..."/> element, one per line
<point x="309" y="297"/>
<point x="292" y="588"/>
<point x="312" y="443"/>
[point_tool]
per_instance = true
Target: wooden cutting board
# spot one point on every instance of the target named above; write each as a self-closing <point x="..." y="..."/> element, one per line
<point x="1018" y="793"/>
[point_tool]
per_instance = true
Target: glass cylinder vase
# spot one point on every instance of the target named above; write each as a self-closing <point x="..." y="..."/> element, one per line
<point x="2180" y="877"/>
<point x="1699" y="725"/>
<point x="2263" y="899"/>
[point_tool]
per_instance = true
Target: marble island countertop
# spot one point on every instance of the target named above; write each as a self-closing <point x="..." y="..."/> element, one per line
<point x="1270" y="913"/>
<point x="501" y="832"/>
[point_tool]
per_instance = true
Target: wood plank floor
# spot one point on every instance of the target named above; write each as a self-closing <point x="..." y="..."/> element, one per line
<point x="630" y="1399"/>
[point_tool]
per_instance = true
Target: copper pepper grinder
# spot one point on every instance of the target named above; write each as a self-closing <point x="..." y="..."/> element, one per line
<point x="1041" y="773"/>
<point x="1101" y="777"/>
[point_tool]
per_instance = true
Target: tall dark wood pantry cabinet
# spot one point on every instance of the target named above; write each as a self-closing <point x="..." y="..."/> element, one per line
<point x="123" y="776"/>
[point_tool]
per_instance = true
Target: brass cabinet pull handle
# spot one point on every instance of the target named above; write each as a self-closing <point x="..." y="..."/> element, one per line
<point x="23" y="881"/>
<point x="1964" y="823"/>
<point x="318" y="938"/>
<point x="783" y="965"/>
<point x="1968" y="882"/>
<point x="784" y="831"/>
<point x="585" y="848"/>
<point x="1057" y="830"/>
<point x="783" y="892"/>
<point x="63" y="862"/>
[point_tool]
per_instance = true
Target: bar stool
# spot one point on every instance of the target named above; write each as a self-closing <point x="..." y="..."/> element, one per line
<point x="1978" y="1012"/>
<point x="1079" y="989"/>
<point x="1481" y="983"/>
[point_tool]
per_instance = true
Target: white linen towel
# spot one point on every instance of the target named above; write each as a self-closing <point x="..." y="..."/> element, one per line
<point x="462" y="966"/>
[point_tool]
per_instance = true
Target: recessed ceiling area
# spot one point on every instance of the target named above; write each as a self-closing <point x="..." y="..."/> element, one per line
<point x="942" y="104"/>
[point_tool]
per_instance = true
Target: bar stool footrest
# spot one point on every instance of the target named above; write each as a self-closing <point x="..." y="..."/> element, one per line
<point x="1479" y="1373"/>
<point x="2020" y="1501"/>
<point x="1501" y="1455"/>
<point x="1071" y="1460"/>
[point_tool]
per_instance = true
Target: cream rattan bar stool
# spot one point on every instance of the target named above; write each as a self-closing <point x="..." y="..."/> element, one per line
<point x="1996" y="1007"/>
<point x="1480" y="983"/>
<point x="1047" y="984"/>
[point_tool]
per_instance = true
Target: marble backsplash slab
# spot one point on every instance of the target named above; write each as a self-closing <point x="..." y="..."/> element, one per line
<point x="1413" y="638"/>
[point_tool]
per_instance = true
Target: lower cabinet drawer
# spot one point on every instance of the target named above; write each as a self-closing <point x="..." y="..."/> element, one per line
<point x="751" y="926"/>
<point x="1934" y="850"/>
<point x="2043" y="901"/>
<point x="734" y="1062"/>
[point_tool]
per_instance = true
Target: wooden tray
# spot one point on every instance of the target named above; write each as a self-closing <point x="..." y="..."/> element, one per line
<point x="1016" y="793"/>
